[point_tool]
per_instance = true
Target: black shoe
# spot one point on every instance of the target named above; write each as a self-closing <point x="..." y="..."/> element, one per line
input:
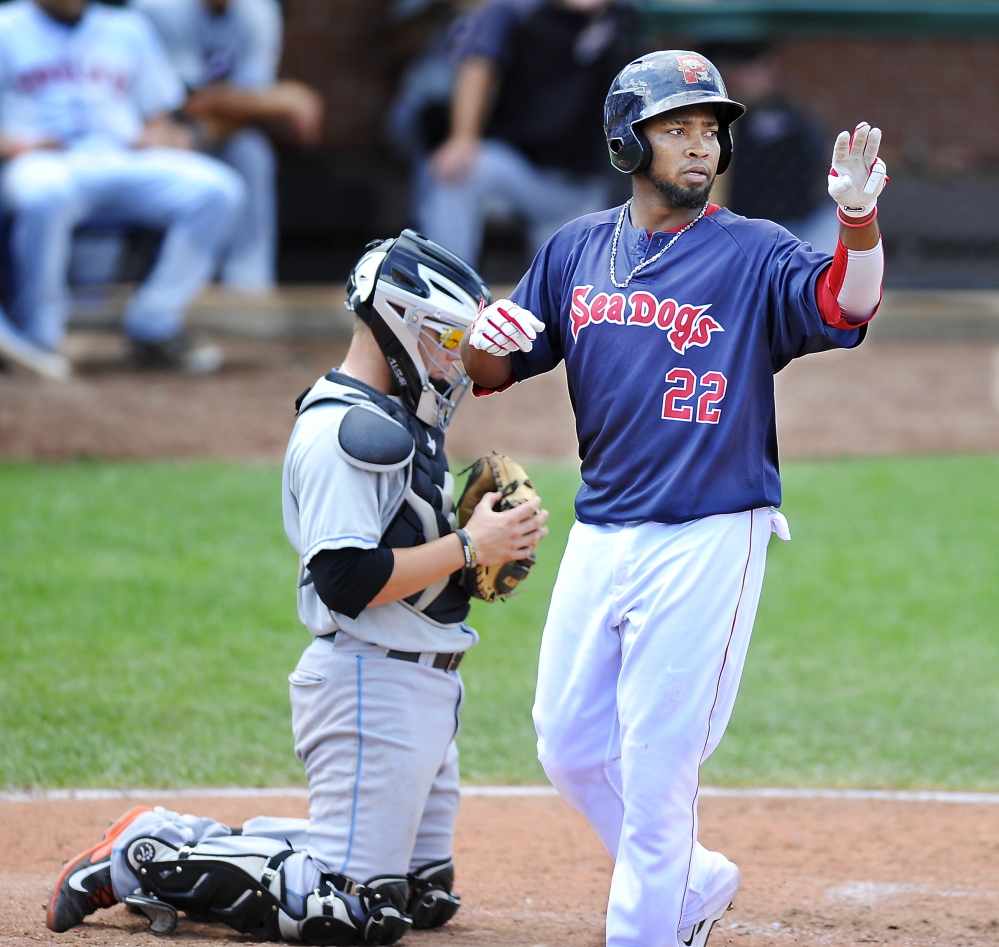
<point x="85" y="883"/>
<point x="183" y="352"/>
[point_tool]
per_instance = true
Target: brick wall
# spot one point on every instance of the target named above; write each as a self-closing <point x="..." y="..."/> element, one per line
<point x="338" y="47"/>
<point x="934" y="99"/>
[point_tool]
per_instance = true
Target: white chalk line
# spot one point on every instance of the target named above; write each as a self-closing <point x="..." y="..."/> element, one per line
<point x="234" y="792"/>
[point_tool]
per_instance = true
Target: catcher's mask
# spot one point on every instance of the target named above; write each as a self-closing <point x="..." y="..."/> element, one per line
<point x="418" y="299"/>
<point x="656" y="83"/>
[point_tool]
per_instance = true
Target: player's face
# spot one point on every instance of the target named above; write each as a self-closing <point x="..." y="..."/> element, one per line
<point x="685" y="152"/>
<point x="440" y="351"/>
<point x="68" y="10"/>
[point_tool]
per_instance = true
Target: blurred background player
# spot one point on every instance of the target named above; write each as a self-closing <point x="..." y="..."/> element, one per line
<point x="227" y="53"/>
<point x="525" y="120"/>
<point x="780" y="156"/>
<point x="85" y="97"/>
<point x="369" y="507"/>
<point x="428" y="36"/>
<point x="17" y="349"/>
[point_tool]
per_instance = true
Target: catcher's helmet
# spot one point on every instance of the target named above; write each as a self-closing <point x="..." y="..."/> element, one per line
<point x="656" y="83"/>
<point x="398" y="288"/>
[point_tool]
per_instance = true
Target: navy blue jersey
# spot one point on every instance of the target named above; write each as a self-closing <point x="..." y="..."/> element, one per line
<point x="671" y="378"/>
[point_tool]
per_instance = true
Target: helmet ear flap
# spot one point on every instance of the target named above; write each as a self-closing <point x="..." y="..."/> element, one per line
<point x="645" y="156"/>
<point x="727" y="144"/>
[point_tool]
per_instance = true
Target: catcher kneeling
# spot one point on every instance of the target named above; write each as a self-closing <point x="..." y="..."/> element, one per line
<point x="383" y="587"/>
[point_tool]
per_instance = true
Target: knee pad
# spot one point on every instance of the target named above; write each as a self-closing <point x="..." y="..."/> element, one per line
<point x="432" y="903"/>
<point x="244" y="891"/>
<point x="344" y="913"/>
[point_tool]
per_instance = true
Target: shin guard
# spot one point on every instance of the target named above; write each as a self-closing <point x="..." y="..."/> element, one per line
<point x="343" y="913"/>
<point x="432" y="903"/>
<point x="212" y="882"/>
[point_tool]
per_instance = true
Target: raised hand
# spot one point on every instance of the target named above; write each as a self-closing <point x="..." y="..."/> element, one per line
<point x="857" y="175"/>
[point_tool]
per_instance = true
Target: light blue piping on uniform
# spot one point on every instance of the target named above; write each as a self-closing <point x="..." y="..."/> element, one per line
<point x="357" y="773"/>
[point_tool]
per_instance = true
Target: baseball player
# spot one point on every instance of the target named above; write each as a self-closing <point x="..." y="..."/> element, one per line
<point x="368" y="505"/>
<point x="672" y="315"/>
<point x="227" y="53"/>
<point x="85" y="96"/>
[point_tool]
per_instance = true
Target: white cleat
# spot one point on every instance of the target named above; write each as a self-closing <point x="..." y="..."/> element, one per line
<point x="697" y="936"/>
<point x="17" y="349"/>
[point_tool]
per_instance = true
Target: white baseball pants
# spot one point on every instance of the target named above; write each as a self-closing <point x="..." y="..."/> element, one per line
<point x="195" y="199"/>
<point x="250" y="265"/>
<point x="640" y="662"/>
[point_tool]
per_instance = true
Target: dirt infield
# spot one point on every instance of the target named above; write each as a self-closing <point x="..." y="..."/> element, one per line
<point x="530" y="872"/>
<point x="822" y="872"/>
<point x="887" y="397"/>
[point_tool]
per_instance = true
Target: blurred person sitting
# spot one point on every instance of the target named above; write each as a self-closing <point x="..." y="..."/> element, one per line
<point x="17" y="349"/>
<point x="86" y="92"/>
<point x="227" y="53"/>
<point x="432" y="33"/>
<point x="780" y="159"/>
<point x="526" y="113"/>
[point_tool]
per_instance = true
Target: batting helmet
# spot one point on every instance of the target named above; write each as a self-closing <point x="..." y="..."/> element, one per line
<point x="656" y="83"/>
<point x="407" y="284"/>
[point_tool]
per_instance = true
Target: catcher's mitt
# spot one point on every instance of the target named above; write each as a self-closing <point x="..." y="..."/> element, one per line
<point x="486" y="475"/>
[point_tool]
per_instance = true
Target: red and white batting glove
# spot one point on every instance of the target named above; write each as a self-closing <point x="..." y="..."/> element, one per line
<point x="857" y="175"/>
<point x="504" y="327"/>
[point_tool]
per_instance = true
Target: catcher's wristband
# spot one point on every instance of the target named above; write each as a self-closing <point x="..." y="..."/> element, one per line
<point x="468" y="548"/>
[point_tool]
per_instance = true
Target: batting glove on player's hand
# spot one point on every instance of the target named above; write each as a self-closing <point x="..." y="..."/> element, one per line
<point x="504" y="327"/>
<point x="857" y="175"/>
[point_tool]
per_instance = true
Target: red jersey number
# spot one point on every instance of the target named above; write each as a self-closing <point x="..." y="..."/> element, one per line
<point x="714" y="384"/>
<point x="684" y="382"/>
<point x="685" y="386"/>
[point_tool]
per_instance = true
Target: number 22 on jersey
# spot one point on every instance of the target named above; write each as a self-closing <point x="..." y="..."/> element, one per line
<point x="679" y="402"/>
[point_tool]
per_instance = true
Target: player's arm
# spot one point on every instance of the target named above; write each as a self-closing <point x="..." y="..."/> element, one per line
<point x="497" y="331"/>
<point x="850" y="290"/>
<point x="349" y="580"/>
<point x="496" y="537"/>
<point x="287" y="109"/>
<point x="164" y="131"/>
<point x="475" y="83"/>
<point x="12" y="147"/>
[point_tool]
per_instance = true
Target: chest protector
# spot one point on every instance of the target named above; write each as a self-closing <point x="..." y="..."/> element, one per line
<point x="426" y="512"/>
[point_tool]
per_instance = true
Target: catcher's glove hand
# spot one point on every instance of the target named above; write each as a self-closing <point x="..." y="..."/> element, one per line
<point x="495" y="472"/>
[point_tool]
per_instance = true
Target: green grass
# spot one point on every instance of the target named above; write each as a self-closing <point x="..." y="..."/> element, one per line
<point x="147" y="626"/>
<point x="876" y="650"/>
<point x="497" y="743"/>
